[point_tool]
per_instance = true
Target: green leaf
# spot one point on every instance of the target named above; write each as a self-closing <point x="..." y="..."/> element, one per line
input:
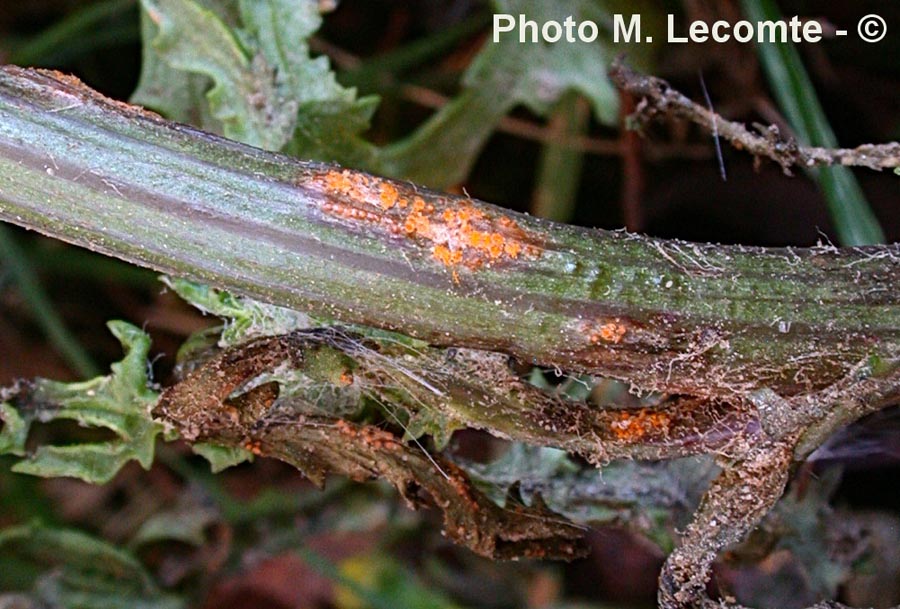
<point x="853" y="218"/>
<point x="246" y="318"/>
<point x="502" y="76"/>
<point x="331" y="131"/>
<point x="330" y="117"/>
<point x="176" y="94"/>
<point x="221" y="457"/>
<point x="119" y="402"/>
<point x="245" y="96"/>
<point x="251" y="62"/>
<point x="71" y="569"/>
<point x="268" y="91"/>
<point x="186" y="524"/>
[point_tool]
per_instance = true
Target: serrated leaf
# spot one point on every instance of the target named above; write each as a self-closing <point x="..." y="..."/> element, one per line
<point x="505" y="74"/>
<point x="176" y="94"/>
<point x="246" y="318"/>
<point x="330" y="117"/>
<point x="252" y="64"/>
<point x="269" y="92"/>
<point x="119" y="402"/>
<point x="245" y="96"/>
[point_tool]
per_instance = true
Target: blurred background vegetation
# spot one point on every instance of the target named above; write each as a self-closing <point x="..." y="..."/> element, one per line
<point x="260" y="533"/>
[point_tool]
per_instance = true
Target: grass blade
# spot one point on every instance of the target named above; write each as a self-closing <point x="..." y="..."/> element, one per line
<point x="853" y="218"/>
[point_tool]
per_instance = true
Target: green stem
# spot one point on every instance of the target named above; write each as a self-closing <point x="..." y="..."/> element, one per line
<point x="699" y="319"/>
<point x="559" y="170"/>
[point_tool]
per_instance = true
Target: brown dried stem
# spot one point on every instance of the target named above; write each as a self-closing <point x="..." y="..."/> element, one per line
<point x="200" y="409"/>
<point x="660" y="99"/>
<point x="750" y="486"/>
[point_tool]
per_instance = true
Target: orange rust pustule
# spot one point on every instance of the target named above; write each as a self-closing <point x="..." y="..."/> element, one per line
<point x="346" y="378"/>
<point x="682" y="420"/>
<point x="388" y="195"/>
<point x="254" y="446"/>
<point x="369" y="435"/>
<point x="634" y="425"/>
<point x="459" y="235"/>
<point x="610" y="331"/>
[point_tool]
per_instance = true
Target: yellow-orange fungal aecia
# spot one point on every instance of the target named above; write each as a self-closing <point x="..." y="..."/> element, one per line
<point x="459" y="234"/>
<point x="634" y="426"/>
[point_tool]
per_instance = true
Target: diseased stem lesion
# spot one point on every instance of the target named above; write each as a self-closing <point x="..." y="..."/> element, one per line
<point x="669" y="316"/>
<point x="759" y="354"/>
<point x="758" y="443"/>
<point x="202" y="408"/>
<point x="750" y="485"/>
<point x="733" y="504"/>
<point x="221" y="402"/>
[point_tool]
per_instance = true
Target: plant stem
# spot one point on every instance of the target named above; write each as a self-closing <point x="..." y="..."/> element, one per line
<point x="559" y="173"/>
<point x="665" y="315"/>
